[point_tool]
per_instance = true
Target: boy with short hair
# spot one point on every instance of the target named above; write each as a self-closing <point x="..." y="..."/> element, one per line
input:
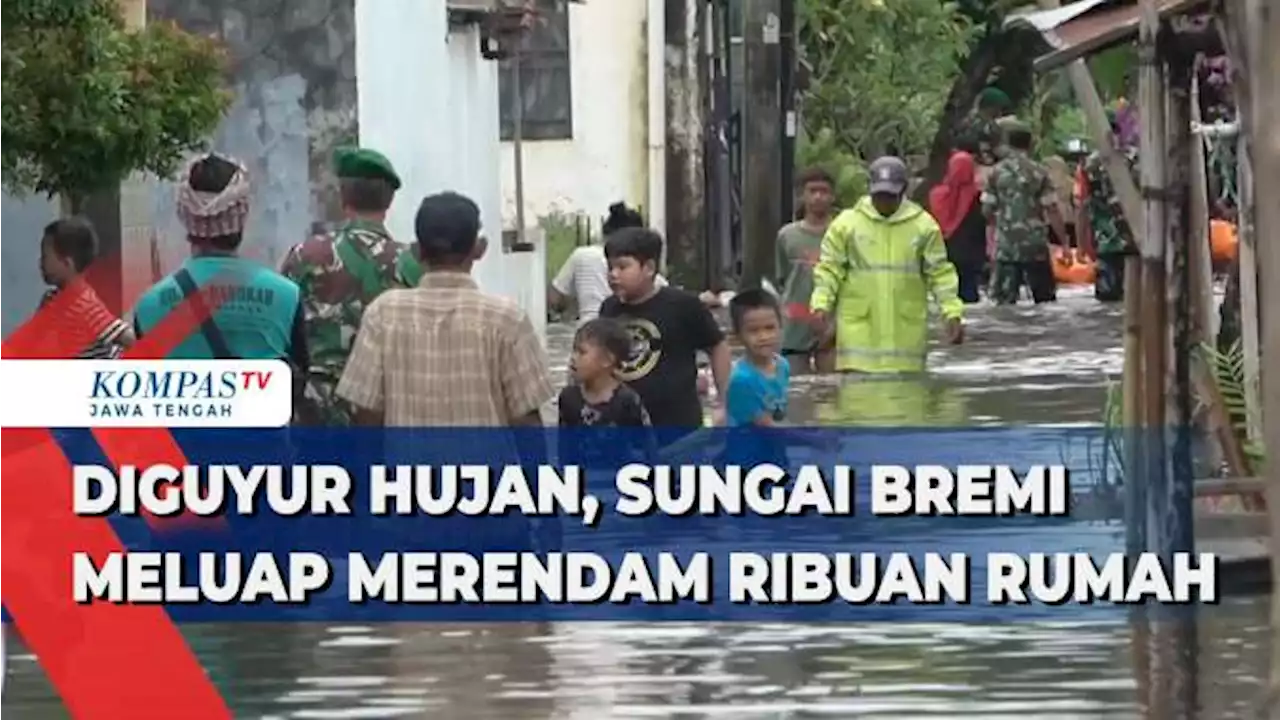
<point x="67" y="248"/>
<point x="757" y="393"/>
<point x="667" y="328"/>
<point x="798" y="247"/>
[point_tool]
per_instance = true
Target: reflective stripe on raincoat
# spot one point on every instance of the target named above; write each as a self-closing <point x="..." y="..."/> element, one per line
<point x="873" y="279"/>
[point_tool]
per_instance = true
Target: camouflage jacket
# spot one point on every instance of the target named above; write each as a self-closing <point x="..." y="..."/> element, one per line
<point x="985" y="134"/>
<point x="339" y="274"/>
<point x="1016" y="197"/>
<point x="1111" y="232"/>
<point x="408" y="268"/>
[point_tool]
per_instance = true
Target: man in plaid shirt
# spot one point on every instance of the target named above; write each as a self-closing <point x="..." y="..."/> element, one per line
<point x="66" y="249"/>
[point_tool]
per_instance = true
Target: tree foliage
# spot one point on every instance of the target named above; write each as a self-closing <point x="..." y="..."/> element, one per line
<point x="88" y="102"/>
<point x="880" y="70"/>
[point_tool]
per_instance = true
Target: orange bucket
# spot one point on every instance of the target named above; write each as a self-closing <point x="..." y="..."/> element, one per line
<point x="1223" y="240"/>
<point x="1070" y="267"/>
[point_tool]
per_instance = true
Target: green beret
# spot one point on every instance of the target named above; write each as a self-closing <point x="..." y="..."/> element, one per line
<point x="354" y="162"/>
<point x="993" y="97"/>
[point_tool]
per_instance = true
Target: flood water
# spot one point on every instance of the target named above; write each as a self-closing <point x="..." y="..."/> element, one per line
<point x="1021" y="366"/>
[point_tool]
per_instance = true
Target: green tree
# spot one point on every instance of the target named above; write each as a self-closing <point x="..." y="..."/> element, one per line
<point x="88" y="102"/>
<point x="879" y="70"/>
<point x="994" y="56"/>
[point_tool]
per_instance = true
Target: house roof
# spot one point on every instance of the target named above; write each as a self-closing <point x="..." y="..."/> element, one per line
<point x="1085" y="27"/>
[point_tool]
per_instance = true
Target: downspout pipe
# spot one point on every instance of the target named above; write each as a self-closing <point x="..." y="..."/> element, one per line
<point x="655" y="58"/>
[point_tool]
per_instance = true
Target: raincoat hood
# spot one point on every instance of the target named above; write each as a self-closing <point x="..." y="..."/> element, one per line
<point x="907" y="211"/>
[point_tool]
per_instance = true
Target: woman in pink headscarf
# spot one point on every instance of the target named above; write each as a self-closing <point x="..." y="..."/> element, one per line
<point x="955" y="204"/>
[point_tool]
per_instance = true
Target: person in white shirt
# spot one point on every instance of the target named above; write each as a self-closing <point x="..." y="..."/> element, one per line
<point x="585" y="275"/>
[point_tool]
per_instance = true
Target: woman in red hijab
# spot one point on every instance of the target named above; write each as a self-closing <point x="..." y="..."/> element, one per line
<point x="955" y="204"/>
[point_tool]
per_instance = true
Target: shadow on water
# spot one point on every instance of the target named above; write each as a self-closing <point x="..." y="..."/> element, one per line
<point x="1022" y="366"/>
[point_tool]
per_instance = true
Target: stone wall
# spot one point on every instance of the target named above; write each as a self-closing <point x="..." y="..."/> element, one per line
<point x="293" y="69"/>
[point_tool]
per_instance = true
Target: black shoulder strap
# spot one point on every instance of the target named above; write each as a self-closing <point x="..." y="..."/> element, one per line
<point x="208" y="328"/>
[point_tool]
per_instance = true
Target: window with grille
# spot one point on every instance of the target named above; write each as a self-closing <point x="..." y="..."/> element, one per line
<point x="544" y="78"/>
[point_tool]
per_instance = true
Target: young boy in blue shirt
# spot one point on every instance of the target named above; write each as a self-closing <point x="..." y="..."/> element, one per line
<point x="757" y="392"/>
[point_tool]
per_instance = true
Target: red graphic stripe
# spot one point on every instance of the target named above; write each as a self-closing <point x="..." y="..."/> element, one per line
<point x="106" y="661"/>
<point x="153" y="446"/>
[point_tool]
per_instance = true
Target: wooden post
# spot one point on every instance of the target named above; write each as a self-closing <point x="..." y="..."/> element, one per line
<point x="1200" y="256"/>
<point x="1265" y="86"/>
<point x="1178" y="537"/>
<point x="1178" y="532"/>
<point x="1151" y="242"/>
<point x="1240" y="32"/>
<point x="1152" y="247"/>
<point x="761" y="154"/>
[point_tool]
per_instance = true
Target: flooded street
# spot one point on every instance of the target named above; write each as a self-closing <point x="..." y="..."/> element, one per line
<point x="1022" y="366"/>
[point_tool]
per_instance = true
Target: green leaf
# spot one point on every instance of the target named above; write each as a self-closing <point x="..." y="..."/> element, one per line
<point x="87" y="103"/>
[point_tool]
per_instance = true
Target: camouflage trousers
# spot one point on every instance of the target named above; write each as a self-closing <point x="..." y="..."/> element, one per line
<point x="321" y="406"/>
<point x="1010" y="275"/>
<point x="1108" y="286"/>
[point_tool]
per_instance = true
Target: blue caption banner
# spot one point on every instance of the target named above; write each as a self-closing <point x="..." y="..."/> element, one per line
<point x="684" y="523"/>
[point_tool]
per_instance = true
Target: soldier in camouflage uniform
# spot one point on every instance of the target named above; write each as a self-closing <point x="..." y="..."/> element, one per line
<point x="1020" y="198"/>
<point x="340" y="273"/>
<point x="1112" y="239"/>
<point x="981" y="130"/>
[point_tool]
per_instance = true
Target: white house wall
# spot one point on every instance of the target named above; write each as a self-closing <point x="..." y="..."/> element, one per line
<point x="474" y="112"/>
<point x="605" y="160"/>
<point x="430" y="102"/>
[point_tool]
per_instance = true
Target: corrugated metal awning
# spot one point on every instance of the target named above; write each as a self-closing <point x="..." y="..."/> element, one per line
<point x="1082" y="28"/>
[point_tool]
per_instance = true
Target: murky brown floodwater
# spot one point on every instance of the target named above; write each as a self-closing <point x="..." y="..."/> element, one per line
<point x="1021" y="366"/>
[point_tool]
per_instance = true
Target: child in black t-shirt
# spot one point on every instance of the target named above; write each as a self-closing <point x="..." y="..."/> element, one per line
<point x="667" y="328"/>
<point x="598" y="399"/>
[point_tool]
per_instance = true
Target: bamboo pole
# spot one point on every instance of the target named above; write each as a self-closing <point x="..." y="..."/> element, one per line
<point x="1199" y="255"/>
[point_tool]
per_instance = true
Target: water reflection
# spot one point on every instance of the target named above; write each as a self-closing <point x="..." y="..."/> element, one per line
<point x="1023" y="365"/>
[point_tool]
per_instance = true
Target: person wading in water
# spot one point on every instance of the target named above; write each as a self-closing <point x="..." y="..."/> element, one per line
<point x="955" y="204"/>
<point x="798" y="247"/>
<point x="880" y="261"/>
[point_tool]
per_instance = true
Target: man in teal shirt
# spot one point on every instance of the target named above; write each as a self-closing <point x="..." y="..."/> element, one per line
<point x="256" y="311"/>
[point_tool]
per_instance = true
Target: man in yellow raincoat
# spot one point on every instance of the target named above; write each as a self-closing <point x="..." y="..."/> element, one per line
<point x="879" y="262"/>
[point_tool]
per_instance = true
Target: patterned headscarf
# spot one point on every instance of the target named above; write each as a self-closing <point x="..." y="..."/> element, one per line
<point x="210" y="214"/>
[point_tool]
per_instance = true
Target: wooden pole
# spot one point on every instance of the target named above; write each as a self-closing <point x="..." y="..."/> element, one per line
<point x="1152" y="247"/>
<point x="761" y="154"/>
<point x="1178" y="532"/>
<point x="1200" y="256"/>
<point x="1266" y="148"/>
<point x="787" y="105"/>
<point x="1151" y="242"/>
<point x="1240" y="32"/>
